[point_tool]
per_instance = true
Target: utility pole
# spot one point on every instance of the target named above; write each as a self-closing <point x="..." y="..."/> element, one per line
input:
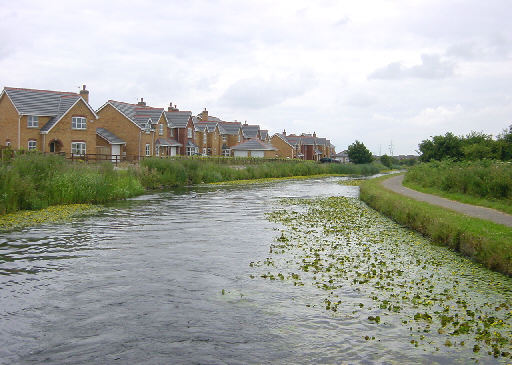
<point x="391" y="148"/>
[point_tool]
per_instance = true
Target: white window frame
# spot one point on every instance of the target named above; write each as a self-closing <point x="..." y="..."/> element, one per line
<point x="161" y="130"/>
<point x="190" y="151"/>
<point x="78" y="148"/>
<point x="148" y="149"/>
<point x="189" y="132"/>
<point x="157" y="150"/>
<point x="78" y="123"/>
<point x="226" y="152"/>
<point x="204" y="151"/>
<point x="239" y="138"/>
<point x="172" y="132"/>
<point x="224" y="138"/>
<point x="32" y="121"/>
<point x="32" y="145"/>
<point x="205" y="138"/>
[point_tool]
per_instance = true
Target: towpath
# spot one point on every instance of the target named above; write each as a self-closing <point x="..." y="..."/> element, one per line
<point x="395" y="184"/>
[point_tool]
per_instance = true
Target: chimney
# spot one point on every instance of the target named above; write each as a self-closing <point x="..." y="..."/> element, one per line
<point x="172" y="108"/>
<point x="314" y="134"/>
<point x="204" y="115"/>
<point x="284" y="132"/>
<point x="84" y="93"/>
<point x="141" y="102"/>
<point x="245" y="123"/>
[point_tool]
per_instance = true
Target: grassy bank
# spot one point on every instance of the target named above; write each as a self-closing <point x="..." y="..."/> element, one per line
<point x="486" y="183"/>
<point x="33" y="181"/>
<point x="485" y="242"/>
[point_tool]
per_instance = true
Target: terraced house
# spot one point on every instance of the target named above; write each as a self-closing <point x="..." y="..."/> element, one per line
<point x="47" y="121"/>
<point x="181" y="129"/>
<point x="304" y="146"/>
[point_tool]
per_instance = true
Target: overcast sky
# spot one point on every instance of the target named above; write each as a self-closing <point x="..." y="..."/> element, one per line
<point x="382" y="72"/>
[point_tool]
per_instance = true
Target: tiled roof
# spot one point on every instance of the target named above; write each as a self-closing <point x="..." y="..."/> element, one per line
<point x="166" y="142"/>
<point x="263" y="134"/>
<point x="229" y="127"/>
<point x="209" y="126"/>
<point x="109" y="136"/>
<point x="42" y="103"/>
<point x="253" y="145"/>
<point x="178" y="119"/>
<point x="137" y="113"/>
<point x="250" y="130"/>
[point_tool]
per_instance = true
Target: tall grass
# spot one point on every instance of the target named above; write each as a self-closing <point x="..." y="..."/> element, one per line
<point x="482" y="179"/>
<point x="156" y="172"/>
<point x="35" y="181"/>
<point x="484" y="241"/>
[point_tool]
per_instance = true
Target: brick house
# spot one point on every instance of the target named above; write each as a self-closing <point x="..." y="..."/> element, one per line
<point x="144" y="129"/>
<point x="304" y="146"/>
<point x="47" y="121"/>
<point x="181" y="129"/>
<point x="285" y="149"/>
<point x="230" y="136"/>
<point x="250" y="131"/>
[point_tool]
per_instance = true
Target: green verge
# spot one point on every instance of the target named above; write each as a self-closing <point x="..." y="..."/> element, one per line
<point x="502" y="206"/>
<point x="485" y="242"/>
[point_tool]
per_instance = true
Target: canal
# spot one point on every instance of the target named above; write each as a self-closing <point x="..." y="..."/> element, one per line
<point x="275" y="273"/>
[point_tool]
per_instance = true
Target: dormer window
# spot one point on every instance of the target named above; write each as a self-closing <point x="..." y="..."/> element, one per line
<point x="78" y="123"/>
<point x="33" y="121"/>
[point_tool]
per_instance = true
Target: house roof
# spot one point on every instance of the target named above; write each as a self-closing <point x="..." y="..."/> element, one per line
<point x="263" y="134"/>
<point x="254" y="145"/>
<point x="138" y="114"/>
<point x="178" y="119"/>
<point x="191" y="144"/>
<point x="45" y="103"/>
<point x="250" y="130"/>
<point x="166" y="142"/>
<point x="229" y="127"/>
<point x="283" y="137"/>
<point x="291" y="139"/>
<point x="209" y="126"/>
<point x="108" y="136"/>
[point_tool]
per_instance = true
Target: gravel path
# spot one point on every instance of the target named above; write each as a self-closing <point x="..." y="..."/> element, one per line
<point x="395" y="184"/>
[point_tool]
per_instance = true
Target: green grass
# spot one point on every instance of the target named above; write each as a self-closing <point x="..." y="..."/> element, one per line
<point x="487" y="243"/>
<point x="483" y="179"/>
<point x="501" y="205"/>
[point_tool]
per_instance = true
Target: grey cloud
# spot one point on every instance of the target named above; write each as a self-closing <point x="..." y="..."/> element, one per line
<point x="431" y="67"/>
<point x="257" y="93"/>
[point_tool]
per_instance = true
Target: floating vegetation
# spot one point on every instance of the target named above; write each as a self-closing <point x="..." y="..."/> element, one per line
<point x="363" y="264"/>
<point x="53" y="214"/>
<point x="351" y="182"/>
<point x="272" y="179"/>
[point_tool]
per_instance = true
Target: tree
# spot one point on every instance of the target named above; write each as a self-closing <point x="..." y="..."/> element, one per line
<point x="441" y="147"/>
<point x="386" y="161"/>
<point x="358" y="153"/>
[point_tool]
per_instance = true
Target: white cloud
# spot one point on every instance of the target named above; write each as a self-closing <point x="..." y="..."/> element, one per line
<point x="431" y="67"/>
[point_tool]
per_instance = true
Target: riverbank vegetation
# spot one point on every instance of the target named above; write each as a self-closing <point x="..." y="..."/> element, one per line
<point x="487" y="243"/>
<point x="34" y="181"/>
<point x="484" y="182"/>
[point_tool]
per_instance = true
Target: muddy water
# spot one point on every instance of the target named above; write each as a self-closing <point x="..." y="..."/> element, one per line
<point x="187" y="277"/>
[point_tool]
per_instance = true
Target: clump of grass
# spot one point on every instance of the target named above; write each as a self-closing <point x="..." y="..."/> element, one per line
<point x="481" y="179"/>
<point x="35" y="181"/>
<point x="484" y="241"/>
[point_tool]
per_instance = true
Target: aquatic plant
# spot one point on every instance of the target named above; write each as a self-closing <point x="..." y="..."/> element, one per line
<point x="365" y="266"/>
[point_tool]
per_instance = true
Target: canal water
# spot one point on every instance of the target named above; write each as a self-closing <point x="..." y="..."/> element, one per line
<point x="178" y="278"/>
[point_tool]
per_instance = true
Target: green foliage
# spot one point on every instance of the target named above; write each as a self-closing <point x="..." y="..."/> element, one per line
<point x="474" y="146"/>
<point x="386" y="161"/>
<point x="358" y="153"/>
<point x="483" y="179"/>
<point x="35" y="181"/>
<point x="484" y="241"/>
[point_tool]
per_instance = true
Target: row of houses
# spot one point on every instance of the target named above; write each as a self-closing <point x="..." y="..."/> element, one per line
<point x="64" y="122"/>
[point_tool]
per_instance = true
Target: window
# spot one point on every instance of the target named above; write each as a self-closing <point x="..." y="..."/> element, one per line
<point x="172" y="132"/>
<point x="226" y="152"/>
<point x="148" y="149"/>
<point x="161" y="131"/>
<point x="33" y="121"/>
<point x="224" y="138"/>
<point x="78" y="148"/>
<point x="157" y="150"/>
<point x="204" y="137"/>
<point x="78" y="123"/>
<point x="7" y="143"/>
<point x="204" y="151"/>
<point x="189" y="132"/>
<point x="32" y="145"/>
<point x="239" y="138"/>
<point x="190" y="151"/>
